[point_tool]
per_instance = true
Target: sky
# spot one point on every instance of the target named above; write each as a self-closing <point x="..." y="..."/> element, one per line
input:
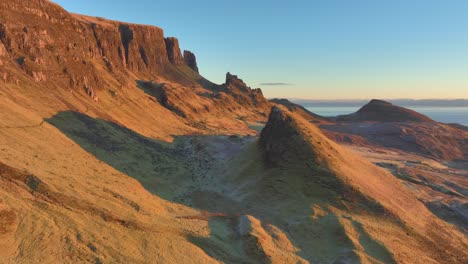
<point x="315" y="49"/>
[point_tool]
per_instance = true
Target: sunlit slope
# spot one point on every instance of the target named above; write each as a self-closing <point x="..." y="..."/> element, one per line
<point x="53" y="61"/>
<point x="60" y="203"/>
<point x="112" y="151"/>
<point x="331" y="203"/>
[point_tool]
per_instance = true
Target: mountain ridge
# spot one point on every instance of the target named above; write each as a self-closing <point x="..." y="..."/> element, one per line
<point x="114" y="149"/>
<point x="92" y="65"/>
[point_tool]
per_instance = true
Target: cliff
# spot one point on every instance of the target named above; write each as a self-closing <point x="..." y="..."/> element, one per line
<point x="190" y="60"/>
<point x="42" y="45"/>
<point x="173" y="50"/>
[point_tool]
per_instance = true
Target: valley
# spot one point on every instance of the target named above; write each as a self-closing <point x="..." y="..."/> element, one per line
<point x="115" y="149"/>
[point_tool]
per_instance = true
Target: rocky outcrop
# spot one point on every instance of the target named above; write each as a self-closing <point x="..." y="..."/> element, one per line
<point x="173" y="51"/>
<point x="234" y="82"/>
<point x="3" y="51"/>
<point x="281" y="139"/>
<point x="190" y="60"/>
<point x="243" y="94"/>
<point x="381" y="111"/>
<point x="299" y="109"/>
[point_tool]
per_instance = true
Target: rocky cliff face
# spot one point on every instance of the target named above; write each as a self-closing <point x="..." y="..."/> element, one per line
<point x="190" y="60"/>
<point x="173" y="50"/>
<point x="233" y="82"/>
<point x="51" y="45"/>
<point x="42" y="43"/>
<point x="236" y="87"/>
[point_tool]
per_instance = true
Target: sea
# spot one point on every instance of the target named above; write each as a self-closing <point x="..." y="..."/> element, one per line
<point x="457" y="115"/>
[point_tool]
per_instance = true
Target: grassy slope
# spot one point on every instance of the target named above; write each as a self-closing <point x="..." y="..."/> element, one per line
<point x="78" y="190"/>
<point x="94" y="196"/>
<point x="85" y="211"/>
<point x="328" y="224"/>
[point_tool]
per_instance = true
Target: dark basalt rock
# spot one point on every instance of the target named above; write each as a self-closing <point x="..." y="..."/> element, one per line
<point x="190" y="60"/>
<point x="173" y="51"/>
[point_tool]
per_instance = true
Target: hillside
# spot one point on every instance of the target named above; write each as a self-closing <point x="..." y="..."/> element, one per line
<point x="115" y="149"/>
<point x="54" y="61"/>
<point x="382" y="111"/>
<point x="302" y="111"/>
<point x="334" y="205"/>
<point x="380" y="123"/>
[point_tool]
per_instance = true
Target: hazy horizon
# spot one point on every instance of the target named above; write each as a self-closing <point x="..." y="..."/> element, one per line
<point x="322" y="50"/>
<point x="360" y="99"/>
<point x="114" y="149"/>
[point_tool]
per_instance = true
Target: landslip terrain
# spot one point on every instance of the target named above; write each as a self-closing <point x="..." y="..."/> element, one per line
<point x="115" y="149"/>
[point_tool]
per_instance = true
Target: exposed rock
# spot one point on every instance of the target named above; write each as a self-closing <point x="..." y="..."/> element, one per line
<point x="3" y="39"/>
<point x="126" y="36"/>
<point x="4" y="76"/>
<point x="3" y="51"/>
<point x="89" y="90"/>
<point x="169" y="100"/>
<point x="281" y="139"/>
<point x="244" y="95"/>
<point x="76" y="41"/>
<point x="312" y="117"/>
<point x="173" y="50"/>
<point x="190" y="60"/>
<point x="89" y="48"/>
<point x="232" y="81"/>
<point x="112" y="147"/>
<point x="143" y="47"/>
<point x="39" y="76"/>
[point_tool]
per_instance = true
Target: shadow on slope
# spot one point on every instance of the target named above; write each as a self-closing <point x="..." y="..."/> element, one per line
<point x="286" y="196"/>
<point x="223" y="243"/>
<point x="156" y="164"/>
<point x="372" y="247"/>
<point x="184" y="171"/>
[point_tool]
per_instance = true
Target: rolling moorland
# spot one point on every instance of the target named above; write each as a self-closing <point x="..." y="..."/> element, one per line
<point x="114" y="149"/>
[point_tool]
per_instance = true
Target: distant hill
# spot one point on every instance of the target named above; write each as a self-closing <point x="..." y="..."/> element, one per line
<point x="400" y="102"/>
<point x="382" y="111"/>
<point x="114" y="149"/>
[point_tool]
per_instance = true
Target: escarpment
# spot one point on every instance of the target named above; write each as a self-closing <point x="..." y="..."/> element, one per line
<point x="102" y="61"/>
<point x="173" y="50"/>
<point x="50" y="44"/>
<point x="190" y="60"/>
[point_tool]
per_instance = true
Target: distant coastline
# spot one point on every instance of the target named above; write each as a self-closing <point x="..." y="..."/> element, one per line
<point x="400" y="102"/>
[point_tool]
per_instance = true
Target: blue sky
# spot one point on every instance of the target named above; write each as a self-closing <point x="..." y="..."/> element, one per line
<point x="323" y="49"/>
